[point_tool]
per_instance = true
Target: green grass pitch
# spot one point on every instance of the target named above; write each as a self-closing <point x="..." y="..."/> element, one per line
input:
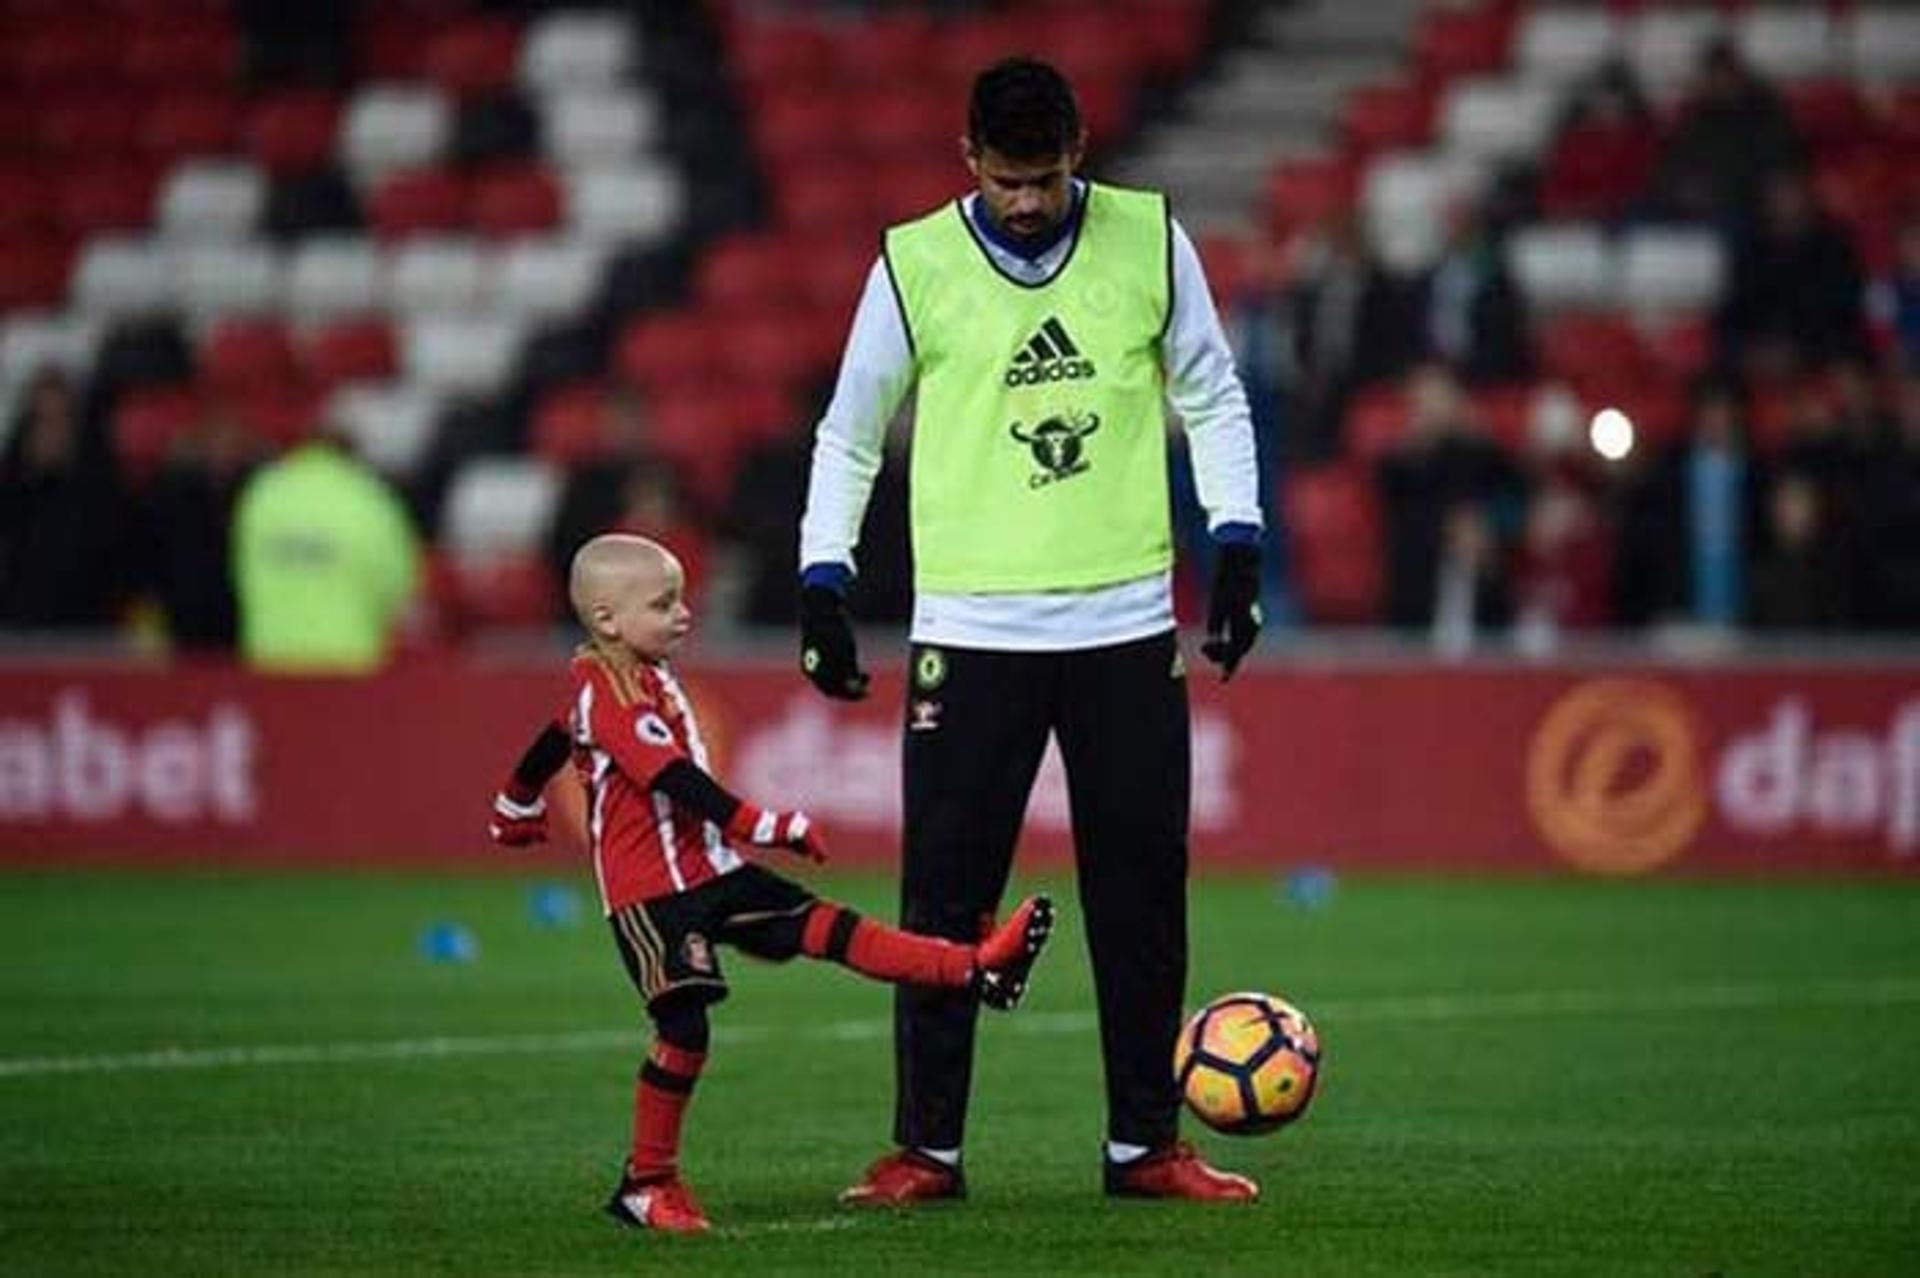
<point x="1538" y="1077"/>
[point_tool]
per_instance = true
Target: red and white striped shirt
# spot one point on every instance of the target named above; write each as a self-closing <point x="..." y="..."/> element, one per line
<point x="627" y="725"/>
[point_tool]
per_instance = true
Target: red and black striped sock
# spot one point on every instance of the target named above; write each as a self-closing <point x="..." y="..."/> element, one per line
<point x="660" y="1098"/>
<point x="885" y="953"/>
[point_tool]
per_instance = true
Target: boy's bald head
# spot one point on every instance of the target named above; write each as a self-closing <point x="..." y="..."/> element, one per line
<point x="611" y="565"/>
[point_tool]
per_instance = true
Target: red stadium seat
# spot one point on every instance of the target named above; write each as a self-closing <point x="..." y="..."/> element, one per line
<point x="698" y="431"/>
<point x="829" y="200"/>
<point x="495" y="590"/>
<point x="1300" y="193"/>
<point x="570" y="424"/>
<point x="1333" y="524"/>
<point x="1390" y="116"/>
<point x="349" y="351"/>
<point x="780" y="53"/>
<point x="282" y="415"/>
<point x="425" y="200"/>
<point x="293" y="131"/>
<point x="682" y="349"/>
<point x="1169" y="37"/>
<point x="967" y="47"/>
<point x="1505" y="413"/>
<point x="1450" y="43"/>
<point x="763" y="349"/>
<point x="749" y="272"/>
<point x="117" y="197"/>
<point x="391" y="40"/>
<point x="58" y="52"/>
<point x="194" y="52"/>
<point x="1829" y="114"/>
<point x="147" y="421"/>
<point x="33" y="270"/>
<point x="890" y="122"/>
<point x="909" y="190"/>
<point x="518" y="200"/>
<point x="473" y="56"/>
<point x="1591" y="349"/>
<point x="831" y="270"/>
<point x="889" y="49"/>
<point x="1376" y="422"/>
<point x="200" y="122"/>
<point x="793" y="128"/>
<point x="245" y="354"/>
<point x="97" y="125"/>
<point x="26" y="202"/>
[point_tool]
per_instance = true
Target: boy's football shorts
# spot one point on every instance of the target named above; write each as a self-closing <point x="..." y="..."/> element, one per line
<point x="669" y="943"/>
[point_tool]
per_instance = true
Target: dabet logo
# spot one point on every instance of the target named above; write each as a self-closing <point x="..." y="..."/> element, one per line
<point x="1842" y="781"/>
<point x="1056" y="446"/>
<point x="78" y="765"/>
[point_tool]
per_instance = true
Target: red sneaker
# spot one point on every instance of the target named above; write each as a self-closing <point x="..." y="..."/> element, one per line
<point x="1007" y="954"/>
<point x="906" y="1176"/>
<point x="1177" y="1171"/>
<point x="664" y="1203"/>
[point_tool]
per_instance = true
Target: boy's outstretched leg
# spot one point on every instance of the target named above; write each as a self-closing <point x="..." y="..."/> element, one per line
<point x="996" y="968"/>
<point x="651" y="1194"/>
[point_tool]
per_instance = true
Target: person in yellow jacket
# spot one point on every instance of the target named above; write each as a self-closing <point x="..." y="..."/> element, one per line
<point x="1043" y="324"/>
<point x="326" y="562"/>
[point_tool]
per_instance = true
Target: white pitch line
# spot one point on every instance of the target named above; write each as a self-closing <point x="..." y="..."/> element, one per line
<point x="1514" y="1005"/>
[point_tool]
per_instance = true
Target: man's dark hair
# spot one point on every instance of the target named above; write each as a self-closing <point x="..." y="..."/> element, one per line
<point x="1023" y="109"/>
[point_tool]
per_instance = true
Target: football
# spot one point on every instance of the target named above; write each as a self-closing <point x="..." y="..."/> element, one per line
<point x="1246" y="1063"/>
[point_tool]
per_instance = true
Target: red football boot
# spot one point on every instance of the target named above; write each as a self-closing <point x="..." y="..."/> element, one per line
<point x="1177" y="1171"/>
<point x="906" y="1176"/>
<point x="664" y="1203"/>
<point x="1007" y="954"/>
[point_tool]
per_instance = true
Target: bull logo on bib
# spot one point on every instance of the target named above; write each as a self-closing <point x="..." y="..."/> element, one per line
<point x="1055" y="442"/>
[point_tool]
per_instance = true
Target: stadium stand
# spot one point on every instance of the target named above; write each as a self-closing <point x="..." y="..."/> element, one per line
<point x="461" y="231"/>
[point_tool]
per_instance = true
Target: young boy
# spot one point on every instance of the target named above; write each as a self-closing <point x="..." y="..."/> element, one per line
<point x="664" y="832"/>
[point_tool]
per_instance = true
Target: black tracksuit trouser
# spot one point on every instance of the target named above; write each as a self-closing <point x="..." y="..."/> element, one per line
<point x="977" y="724"/>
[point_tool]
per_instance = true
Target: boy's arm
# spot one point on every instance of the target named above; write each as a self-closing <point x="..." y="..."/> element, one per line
<point x="519" y="809"/>
<point x="694" y="789"/>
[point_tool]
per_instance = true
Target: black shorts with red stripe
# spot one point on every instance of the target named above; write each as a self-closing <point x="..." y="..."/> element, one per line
<point x="669" y="943"/>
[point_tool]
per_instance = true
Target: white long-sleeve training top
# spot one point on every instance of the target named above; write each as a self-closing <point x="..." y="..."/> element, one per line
<point x="876" y="373"/>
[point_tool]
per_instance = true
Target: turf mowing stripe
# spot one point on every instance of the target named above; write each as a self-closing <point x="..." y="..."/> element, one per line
<point x="1518" y="1004"/>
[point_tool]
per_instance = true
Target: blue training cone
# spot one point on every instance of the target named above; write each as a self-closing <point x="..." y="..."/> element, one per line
<point x="447" y="942"/>
<point x="553" y="905"/>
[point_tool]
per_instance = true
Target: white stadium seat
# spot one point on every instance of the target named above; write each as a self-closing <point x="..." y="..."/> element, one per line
<point x="216" y="280"/>
<point x="1787" y="42"/>
<point x="1406" y="201"/>
<point x="392" y="424"/>
<point x="212" y="199"/>
<point x="1564" y="266"/>
<point x="33" y="340"/>
<point x="643" y="203"/>
<point x="571" y="48"/>
<point x="391" y="126"/>
<point x="1882" y="43"/>
<point x="546" y="279"/>
<point x="1670" y="269"/>
<point x="1558" y="44"/>
<point x="460" y="354"/>
<point x="436" y="273"/>
<point x="123" y="275"/>
<point x="598" y="128"/>
<point x="335" y="275"/>
<point x="1664" y="45"/>
<point x="500" y="505"/>
<point x="1498" y="119"/>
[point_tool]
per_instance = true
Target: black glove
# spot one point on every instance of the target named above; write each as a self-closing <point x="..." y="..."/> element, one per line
<point x="827" y="657"/>
<point x="1233" y="613"/>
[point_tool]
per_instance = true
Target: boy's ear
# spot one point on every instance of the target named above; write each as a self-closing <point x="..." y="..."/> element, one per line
<point x="600" y="617"/>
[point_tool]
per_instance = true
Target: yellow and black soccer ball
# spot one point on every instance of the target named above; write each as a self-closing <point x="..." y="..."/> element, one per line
<point x="1247" y="1063"/>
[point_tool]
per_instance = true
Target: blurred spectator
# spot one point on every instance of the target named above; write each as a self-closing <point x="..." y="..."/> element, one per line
<point x="1796" y="296"/>
<point x="1733" y="132"/>
<point x="60" y="515"/>
<point x="1690" y="521"/>
<point x="1563" y="570"/>
<point x="1350" y="323"/>
<point x="1472" y="317"/>
<point x="1898" y="298"/>
<point x="1602" y="161"/>
<point x="1805" y="580"/>
<point x="1889" y="516"/>
<point x="1449" y="496"/>
<point x="186" y="523"/>
<point x="1470" y="588"/>
<point x="326" y="561"/>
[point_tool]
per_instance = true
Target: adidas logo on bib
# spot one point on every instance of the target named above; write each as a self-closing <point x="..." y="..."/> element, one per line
<point x="1048" y="356"/>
